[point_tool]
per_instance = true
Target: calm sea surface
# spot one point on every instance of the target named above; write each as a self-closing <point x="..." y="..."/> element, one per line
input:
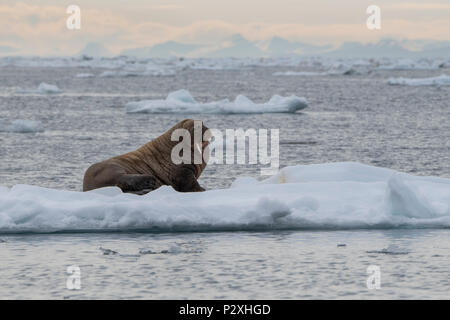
<point x="349" y="118"/>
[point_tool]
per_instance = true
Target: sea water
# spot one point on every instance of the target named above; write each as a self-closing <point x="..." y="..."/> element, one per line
<point x="357" y="117"/>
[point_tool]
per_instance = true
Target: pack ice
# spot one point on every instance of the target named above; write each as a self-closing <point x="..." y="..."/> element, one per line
<point x="320" y="196"/>
<point x="442" y="80"/>
<point x="181" y="101"/>
<point x="21" y="126"/>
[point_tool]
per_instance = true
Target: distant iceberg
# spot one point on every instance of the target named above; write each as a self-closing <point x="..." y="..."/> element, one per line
<point x="22" y="126"/>
<point x="344" y="71"/>
<point x="43" y="88"/>
<point x="181" y="101"/>
<point x="171" y="65"/>
<point x="120" y="73"/>
<point x="313" y="197"/>
<point x="298" y="73"/>
<point x="85" y="75"/>
<point x="442" y="80"/>
<point x="409" y="64"/>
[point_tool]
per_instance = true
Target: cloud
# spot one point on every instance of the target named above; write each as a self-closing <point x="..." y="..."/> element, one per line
<point x="418" y="6"/>
<point x="41" y="30"/>
<point x="167" y="7"/>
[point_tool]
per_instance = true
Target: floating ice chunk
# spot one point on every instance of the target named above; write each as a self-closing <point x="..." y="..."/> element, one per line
<point x="181" y="96"/>
<point x="390" y="250"/>
<point x="48" y="88"/>
<point x="22" y="126"/>
<point x="333" y="71"/>
<point x="113" y="74"/>
<point x="404" y="201"/>
<point x="147" y="251"/>
<point x="409" y="64"/>
<point x="43" y="88"/>
<point x="85" y="75"/>
<point x="150" y="69"/>
<point x="107" y="191"/>
<point x="442" y="80"/>
<point x="322" y="196"/>
<point x="343" y="70"/>
<point x="243" y="182"/>
<point x="108" y="252"/>
<point x="181" y="101"/>
<point x="298" y="73"/>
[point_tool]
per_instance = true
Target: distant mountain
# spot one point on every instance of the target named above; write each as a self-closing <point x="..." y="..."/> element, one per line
<point x="162" y="50"/>
<point x="440" y="51"/>
<point x="282" y="47"/>
<point x="239" y="48"/>
<point x="95" y="49"/>
<point x="7" y="49"/>
<point x="383" y="48"/>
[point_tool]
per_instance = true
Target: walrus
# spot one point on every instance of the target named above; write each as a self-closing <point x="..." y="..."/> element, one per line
<point x="151" y="166"/>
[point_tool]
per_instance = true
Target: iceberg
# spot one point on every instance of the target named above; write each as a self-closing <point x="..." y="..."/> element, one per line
<point x="85" y="75"/>
<point x="304" y="197"/>
<point x="298" y="73"/>
<point x="22" y="126"/>
<point x="43" y="88"/>
<point x="442" y="80"/>
<point x="181" y="101"/>
<point x="113" y="74"/>
<point x="409" y="64"/>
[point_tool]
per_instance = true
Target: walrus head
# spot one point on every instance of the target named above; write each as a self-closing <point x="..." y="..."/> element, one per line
<point x="196" y="130"/>
<point x="165" y="143"/>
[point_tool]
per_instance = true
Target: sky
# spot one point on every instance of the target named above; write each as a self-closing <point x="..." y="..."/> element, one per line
<point x="38" y="27"/>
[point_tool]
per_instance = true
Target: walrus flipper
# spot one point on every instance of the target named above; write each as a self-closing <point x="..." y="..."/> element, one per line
<point x="137" y="183"/>
<point x="185" y="181"/>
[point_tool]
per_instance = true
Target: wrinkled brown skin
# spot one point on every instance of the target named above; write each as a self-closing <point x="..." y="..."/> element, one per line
<point x="148" y="167"/>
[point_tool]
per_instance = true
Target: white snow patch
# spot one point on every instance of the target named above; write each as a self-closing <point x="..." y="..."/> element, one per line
<point x="43" y="88"/>
<point x="21" y="126"/>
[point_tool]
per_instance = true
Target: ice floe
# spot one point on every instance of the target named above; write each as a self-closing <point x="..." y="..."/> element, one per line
<point x="111" y="74"/>
<point x="21" y="126"/>
<point x="442" y="80"/>
<point x="410" y="64"/>
<point x="125" y="66"/>
<point x="85" y="75"/>
<point x="321" y="196"/>
<point x="43" y="88"/>
<point x="181" y="101"/>
<point x="298" y="73"/>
